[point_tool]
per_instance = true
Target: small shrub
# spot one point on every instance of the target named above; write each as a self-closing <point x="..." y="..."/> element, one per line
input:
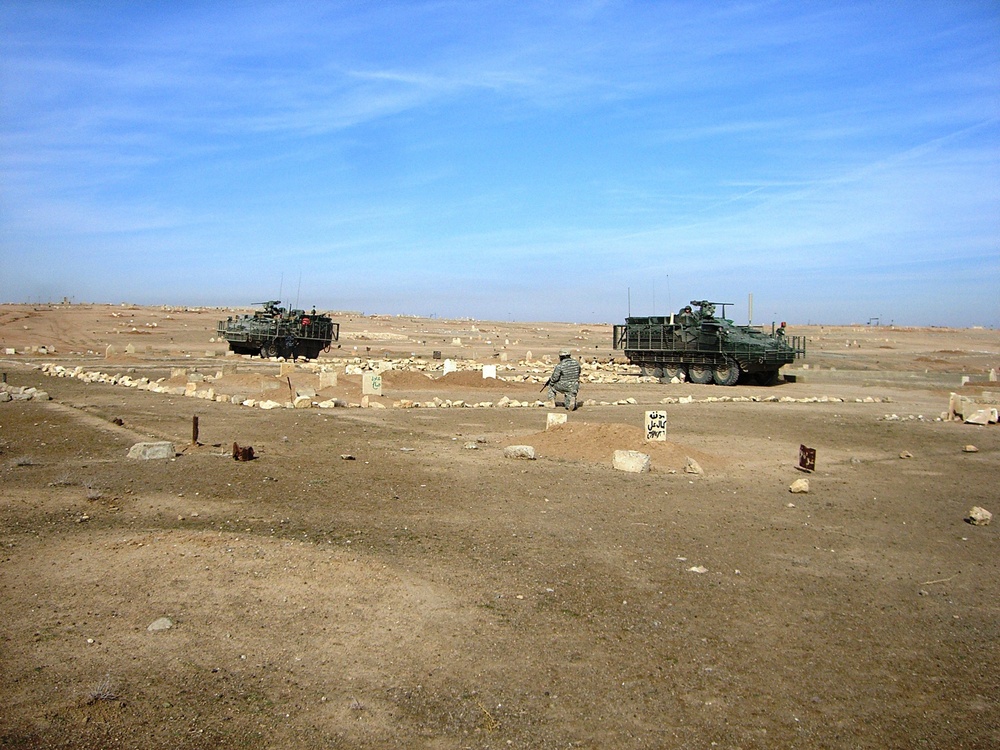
<point x="105" y="690"/>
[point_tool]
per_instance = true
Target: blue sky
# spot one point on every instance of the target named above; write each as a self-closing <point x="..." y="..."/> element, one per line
<point x="565" y="161"/>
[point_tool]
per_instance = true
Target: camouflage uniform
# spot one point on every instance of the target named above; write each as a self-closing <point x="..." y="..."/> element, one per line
<point x="565" y="379"/>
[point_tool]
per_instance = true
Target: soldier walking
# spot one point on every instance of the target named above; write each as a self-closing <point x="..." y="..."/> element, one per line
<point x="565" y="379"/>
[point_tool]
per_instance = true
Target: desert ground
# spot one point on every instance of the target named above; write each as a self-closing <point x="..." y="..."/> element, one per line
<point x="383" y="577"/>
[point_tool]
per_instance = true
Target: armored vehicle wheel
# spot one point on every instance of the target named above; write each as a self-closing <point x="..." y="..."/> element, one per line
<point x="726" y="374"/>
<point x="269" y="349"/>
<point x="701" y="374"/>
<point x="674" y="371"/>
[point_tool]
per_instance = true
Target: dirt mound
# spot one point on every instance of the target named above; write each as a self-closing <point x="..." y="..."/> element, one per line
<point x="252" y="380"/>
<point x="405" y="379"/>
<point x="475" y="379"/>
<point x="597" y="443"/>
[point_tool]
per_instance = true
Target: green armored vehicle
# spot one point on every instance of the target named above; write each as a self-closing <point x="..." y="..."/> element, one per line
<point x="697" y="346"/>
<point x="276" y="332"/>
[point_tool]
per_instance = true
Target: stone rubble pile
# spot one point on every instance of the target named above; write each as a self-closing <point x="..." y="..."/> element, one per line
<point x="21" y="393"/>
<point x="200" y="386"/>
<point x="774" y="399"/>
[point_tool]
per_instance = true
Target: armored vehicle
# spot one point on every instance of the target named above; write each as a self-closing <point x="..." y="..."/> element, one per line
<point x="696" y="345"/>
<point x="276" y="332"/>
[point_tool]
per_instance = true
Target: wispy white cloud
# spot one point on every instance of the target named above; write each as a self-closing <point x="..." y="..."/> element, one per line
<point x="478" y="144"/>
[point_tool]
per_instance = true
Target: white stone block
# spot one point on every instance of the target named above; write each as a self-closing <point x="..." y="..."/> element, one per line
<point x="519" y="451"/>
<point x="490" y="371"/>
<point x="554" y="419"/>
<point x="632" y="461"/>
<point x="146" y="451"/>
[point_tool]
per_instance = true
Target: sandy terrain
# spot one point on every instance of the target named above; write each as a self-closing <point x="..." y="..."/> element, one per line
<point x="385" y="578"/>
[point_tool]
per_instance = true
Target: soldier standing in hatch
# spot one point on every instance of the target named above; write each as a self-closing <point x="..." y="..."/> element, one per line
<point x="565" y="379"/>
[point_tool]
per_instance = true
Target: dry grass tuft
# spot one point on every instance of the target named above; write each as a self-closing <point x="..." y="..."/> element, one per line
<point x="105" y="690"/>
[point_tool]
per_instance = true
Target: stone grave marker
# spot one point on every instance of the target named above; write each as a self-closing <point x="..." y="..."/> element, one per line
<point x="656" y="425"/>
<point x="371" y="384"/>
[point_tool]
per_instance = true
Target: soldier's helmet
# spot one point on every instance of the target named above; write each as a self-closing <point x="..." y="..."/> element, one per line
<point x="563" y="353"/>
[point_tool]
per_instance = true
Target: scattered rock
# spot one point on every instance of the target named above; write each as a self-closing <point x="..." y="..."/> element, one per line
<point x="632" y="461"/>
<point x="970" y="449"/>
<point x="978" y="516"/>
<point x="799" y="486"/>
<point x="905" y="454"/>
<point x="693" y="467"/>
<point x="519" y="451"/>
<point x="347" y="457"/>
<point x="163" y="623"/>
<point x="698" y="569"/>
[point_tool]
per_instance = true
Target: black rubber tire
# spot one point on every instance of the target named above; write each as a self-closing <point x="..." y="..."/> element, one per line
<point x="674" y="371"/>
<point x="700" y="374"/>
<point x="726" y="374"/>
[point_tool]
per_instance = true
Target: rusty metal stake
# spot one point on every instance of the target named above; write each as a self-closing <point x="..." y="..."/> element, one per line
<point x="242" y="453"/>
<point x="194" y="430"/>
